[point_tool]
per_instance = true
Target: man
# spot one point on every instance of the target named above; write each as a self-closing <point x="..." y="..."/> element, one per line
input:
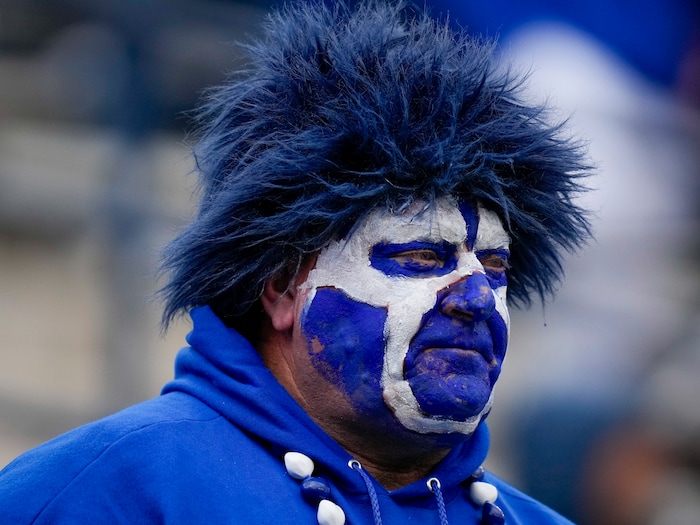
<point x="370" y="186"/>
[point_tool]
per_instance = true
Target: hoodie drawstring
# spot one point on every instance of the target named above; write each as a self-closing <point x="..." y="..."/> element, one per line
<point x="355" y="465"/>
<point x="435" y="488"/>
<point x="433" y="485"/>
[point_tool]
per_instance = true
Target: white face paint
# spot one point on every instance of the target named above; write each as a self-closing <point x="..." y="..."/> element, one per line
<point x="413" y="294"/>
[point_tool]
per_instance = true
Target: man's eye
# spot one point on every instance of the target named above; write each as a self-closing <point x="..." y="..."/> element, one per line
<point x="422" y="257"/>
<point x="414" y="259"/>
<point x="494" y="262"/>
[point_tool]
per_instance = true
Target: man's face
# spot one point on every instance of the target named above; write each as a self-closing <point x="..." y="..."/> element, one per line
<point x="409" y="313"/>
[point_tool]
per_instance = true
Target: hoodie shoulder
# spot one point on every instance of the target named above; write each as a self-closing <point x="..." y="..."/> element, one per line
<point x="113" y="452"/>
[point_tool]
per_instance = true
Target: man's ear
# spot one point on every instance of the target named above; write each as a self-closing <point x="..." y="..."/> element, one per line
<point x="279" y="295"/>
<point x="278" y="299"/>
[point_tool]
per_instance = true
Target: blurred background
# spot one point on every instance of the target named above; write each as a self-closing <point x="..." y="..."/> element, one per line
<point x="598" y="408"/>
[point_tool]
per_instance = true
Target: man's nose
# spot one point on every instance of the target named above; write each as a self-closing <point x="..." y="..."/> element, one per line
<point x="470" y="299"/>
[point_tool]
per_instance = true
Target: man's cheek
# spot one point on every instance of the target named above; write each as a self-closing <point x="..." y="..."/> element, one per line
<point x="345" y="341"/>
<point x="499" y="334"/>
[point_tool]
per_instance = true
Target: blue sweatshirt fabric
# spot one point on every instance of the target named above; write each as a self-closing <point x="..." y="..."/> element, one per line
<point x="210" y="450"/>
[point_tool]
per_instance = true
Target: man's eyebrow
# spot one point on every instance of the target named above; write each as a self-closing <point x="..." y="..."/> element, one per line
<point x="496" y="251"/>
<point x="381" y="248"/>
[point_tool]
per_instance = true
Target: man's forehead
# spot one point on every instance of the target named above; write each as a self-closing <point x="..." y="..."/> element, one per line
<point x="491" y="233"/>
<point x="443" y="220"/>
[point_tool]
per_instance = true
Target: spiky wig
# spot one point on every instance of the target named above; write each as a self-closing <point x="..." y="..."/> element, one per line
<point x="344" y="110"/>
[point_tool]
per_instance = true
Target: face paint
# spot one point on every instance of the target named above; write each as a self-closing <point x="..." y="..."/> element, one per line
<point x="409" y="314"/>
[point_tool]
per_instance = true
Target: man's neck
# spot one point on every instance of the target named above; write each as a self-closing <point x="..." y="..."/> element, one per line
<point x="392" y="464"/>
<point x="393" y="475"/>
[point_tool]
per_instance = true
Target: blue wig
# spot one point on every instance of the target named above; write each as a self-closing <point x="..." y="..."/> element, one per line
<point x="345" y="110"/>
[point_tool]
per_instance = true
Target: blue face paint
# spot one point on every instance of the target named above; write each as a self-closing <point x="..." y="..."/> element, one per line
<point x="404" y="317"/>
<point x="414" y="259"/>
<point x="471" y="217"/>
<point x="453" y="362"/>
<point x="346" y="345"/>
<point x="496" y="264"/>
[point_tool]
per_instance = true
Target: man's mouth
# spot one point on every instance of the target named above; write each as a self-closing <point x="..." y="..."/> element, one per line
<point x="447" y="361"/>
<point x="457" y="349"/>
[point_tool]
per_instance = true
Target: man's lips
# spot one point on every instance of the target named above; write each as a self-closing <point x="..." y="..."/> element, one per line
<point x="443" y="333"/>
<point x="448" y="361"/>
<point x="444" y="346"/>
<point x="464" y="348"/>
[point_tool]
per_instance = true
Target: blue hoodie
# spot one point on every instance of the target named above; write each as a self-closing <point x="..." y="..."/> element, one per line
<point x="210" y="450"/>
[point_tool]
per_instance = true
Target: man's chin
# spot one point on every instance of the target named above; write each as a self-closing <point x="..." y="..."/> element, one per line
<point x="457" y="398"/>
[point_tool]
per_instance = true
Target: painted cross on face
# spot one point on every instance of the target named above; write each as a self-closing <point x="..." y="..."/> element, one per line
<point x="409" y="313"/>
